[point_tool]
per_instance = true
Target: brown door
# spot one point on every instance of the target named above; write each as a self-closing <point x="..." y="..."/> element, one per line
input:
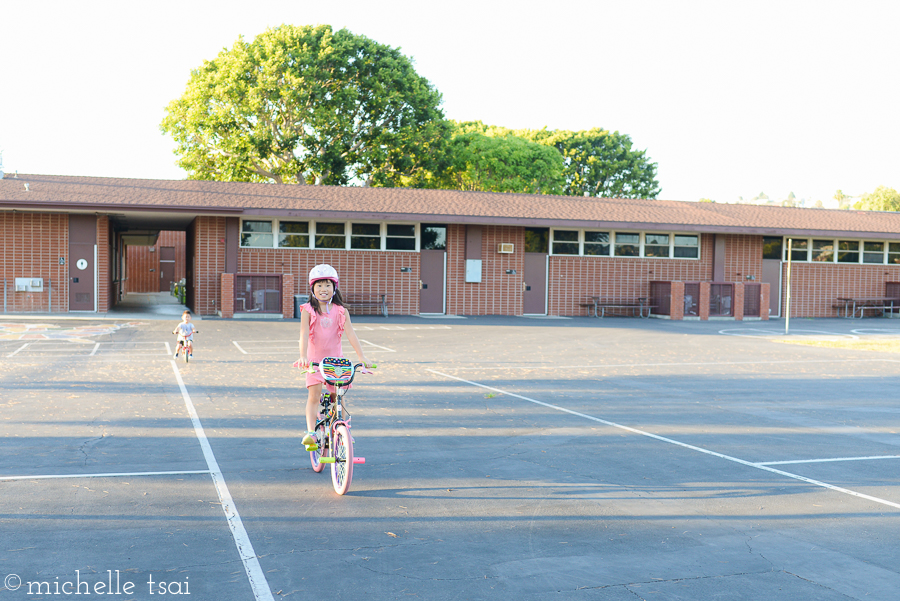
<point x="166" y="267"/>
<point x="771" y="274"/>
<point x="534" y="294"/>
<point x="431" y="293"/>
<point x="82" y="242"/>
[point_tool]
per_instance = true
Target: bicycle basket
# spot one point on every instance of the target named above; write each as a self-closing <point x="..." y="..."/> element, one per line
<point x="336" y="370"/>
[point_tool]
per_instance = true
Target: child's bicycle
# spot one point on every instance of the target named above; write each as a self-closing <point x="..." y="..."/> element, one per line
<point x="333" y="424"/>
<point x="185" y="347"/>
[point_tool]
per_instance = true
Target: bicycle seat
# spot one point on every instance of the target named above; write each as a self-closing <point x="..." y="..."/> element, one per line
<point x="336" y="370"/>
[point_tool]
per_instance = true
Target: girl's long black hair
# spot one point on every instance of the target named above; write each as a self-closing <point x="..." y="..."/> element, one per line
<point x="314" y="302"/>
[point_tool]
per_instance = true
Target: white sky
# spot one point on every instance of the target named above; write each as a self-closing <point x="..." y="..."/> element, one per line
<point x="729" y="98"/>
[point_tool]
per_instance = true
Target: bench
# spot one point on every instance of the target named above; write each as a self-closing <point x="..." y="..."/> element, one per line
<point x="359" y="300"/>
<point x="636" y="307"/>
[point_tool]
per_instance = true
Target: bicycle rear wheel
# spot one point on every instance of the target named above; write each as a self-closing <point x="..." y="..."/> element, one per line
<point x="342" y="468"/>
<point x="322" y="451"/>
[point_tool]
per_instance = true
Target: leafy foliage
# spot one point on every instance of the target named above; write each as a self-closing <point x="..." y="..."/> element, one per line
<point x="308" y="105"/>
<point x="882" y="199"/>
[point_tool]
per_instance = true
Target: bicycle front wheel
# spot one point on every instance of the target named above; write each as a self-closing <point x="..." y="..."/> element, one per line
<point x="342" y="468"/>
<point x="322" y="451"/>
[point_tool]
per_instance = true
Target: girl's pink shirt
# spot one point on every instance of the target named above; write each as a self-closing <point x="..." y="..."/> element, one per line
<point x="325" y="332"/>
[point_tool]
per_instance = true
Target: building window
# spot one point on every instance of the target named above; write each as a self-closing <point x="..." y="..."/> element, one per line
<point x="330" y="235"/>
<point x="656" y="245"/>
<point x="627" y="244"/>
<point x="893" y="253"/>
<point x="799" y="250"/>
<point x="400" y="237"/>
<point x="365" y="236"/>
<point x="537" y="240"/>
<point x="565" y="242"/>
<point x="596" y="244"/>
<point x="823" y="250"/>
<point x="687" y="247"/>
<point x="772" y="248"/>
<point x="257" y="234"/>
<point x="873" y="252"/>
<point x="293" y="234"/>
<point x="434" y="237"/>
<point x="848" y="251"/>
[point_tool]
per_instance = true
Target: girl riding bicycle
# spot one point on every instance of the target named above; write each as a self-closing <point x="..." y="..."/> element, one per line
<point x="323" y="321"/>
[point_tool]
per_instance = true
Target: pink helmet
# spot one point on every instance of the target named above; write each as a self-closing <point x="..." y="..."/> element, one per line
<point x="323" y="272"/>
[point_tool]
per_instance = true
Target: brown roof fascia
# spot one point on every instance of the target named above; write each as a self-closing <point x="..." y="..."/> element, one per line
<point x="113" y="208"/>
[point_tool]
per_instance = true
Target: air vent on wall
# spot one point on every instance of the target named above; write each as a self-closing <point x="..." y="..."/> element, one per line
<point x="505" y="248"/>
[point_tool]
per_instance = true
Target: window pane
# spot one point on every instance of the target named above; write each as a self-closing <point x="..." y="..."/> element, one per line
<point x="365" y="243"/>
<point x="293" y="234"/>
<point x="894" y="247"/>
<point x="536" y="239"/>
<point x="622" y="238"/>
<point x="565" y="236"/>
<point x="293" y="227"/>
<point x="652" y="250"/>
<point x="873" y="252"/>
<point x="848" y="251"/>
<point x="365" y="229"/>
<point x="599" y="237"/>
<point x="823" y="250"/>
<point x="330" y="235"/>
<point x="799" y="250"/>
<point x="565" y="248"/>
<point x="627" y="250"/>
<point x="257" y="234"/>
<point x="686" y="252"/>
<point x="596" y="250"/>
<point x="772" y="248"/>
<point x="873" y="246"/>
<point x="687" y="240"/>
<point x="394" y="229"/>
<point x="400" y="244"/>
<point x="434" y="237"/>
<point x="657" y="239"/>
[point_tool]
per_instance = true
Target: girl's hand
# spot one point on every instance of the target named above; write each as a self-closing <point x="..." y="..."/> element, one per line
<point x="302" y="362"/>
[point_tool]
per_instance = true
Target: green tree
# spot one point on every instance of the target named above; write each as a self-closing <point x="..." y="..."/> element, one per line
<point x="842" y="199"/>
<point x="882" y="199"/>
<point x="600" y="163"/>
<point x="502" y="163"/>
<point x="308" y="105"/>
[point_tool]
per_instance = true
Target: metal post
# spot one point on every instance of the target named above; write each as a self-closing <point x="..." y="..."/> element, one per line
<point x="49" y="296"/>
<point x="4" y="295"/>
<point x="787" y="315"/>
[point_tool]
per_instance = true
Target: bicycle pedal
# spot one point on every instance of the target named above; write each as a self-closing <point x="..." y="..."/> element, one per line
<point x="312" y="447"/>
<point x="326" y="459"/>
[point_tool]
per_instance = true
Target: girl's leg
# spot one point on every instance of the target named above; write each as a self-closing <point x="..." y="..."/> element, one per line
<point x="312" y="406"/>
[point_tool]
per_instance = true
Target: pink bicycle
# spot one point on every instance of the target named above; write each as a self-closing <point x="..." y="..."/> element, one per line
<point x="333" y="423"/>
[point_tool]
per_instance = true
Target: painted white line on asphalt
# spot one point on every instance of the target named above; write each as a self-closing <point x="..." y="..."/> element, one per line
<point x="390" y="350"/>
<point x="758" y="466"/>
<point x="102" y="475"/>
<point x="757" y="333"/>
<point x="94" y="352"/>
<point x="239" y="347"/>
<point x="258" y="582"/>
<point x="828" y="460"/>
<point x="17" y="350"/>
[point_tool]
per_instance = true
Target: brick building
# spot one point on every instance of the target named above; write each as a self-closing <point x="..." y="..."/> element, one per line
<point x="72" y="244"/>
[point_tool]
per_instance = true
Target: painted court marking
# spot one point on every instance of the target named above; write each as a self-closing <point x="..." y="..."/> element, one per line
<point x="76" y="348"/>
<point x="759" y="466"/>
<point x="102" y="475"/>
<point x="258" y="582"/>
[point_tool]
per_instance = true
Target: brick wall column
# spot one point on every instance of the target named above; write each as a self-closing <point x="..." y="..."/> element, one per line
<point x="737" y="301"/>
<point x="764" y="301"/>
<point x="704" y="301"/>
<point x="226" y="300"/>
<point x="676" y="303"/>
<point x="287" y="295"/>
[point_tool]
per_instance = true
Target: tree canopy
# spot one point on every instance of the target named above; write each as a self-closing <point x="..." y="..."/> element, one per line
<point x="882" y="199"/>
<point x="308" y="105"/>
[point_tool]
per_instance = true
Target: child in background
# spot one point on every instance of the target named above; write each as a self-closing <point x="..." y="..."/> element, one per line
<point x="323" y="321"/>
<point x="185" y="331"/>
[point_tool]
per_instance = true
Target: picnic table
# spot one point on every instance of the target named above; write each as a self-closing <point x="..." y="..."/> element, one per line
<point x="850" y="306"/>
<point x="374" y="300"/>
<point x="600" y="305"/>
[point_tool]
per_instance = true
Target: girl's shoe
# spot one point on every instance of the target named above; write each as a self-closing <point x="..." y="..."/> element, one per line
<point x="310" y="442"/>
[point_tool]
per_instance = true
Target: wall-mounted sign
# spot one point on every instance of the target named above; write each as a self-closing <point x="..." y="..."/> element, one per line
<point x="81" y="264"/>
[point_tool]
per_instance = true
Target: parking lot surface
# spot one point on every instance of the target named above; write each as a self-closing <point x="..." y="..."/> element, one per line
<point x="506" y="458"/>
